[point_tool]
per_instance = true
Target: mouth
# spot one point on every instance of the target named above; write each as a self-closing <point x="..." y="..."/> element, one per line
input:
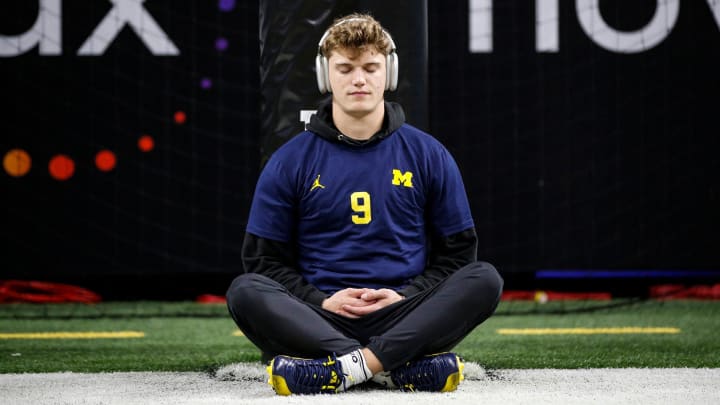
<point x="359" y="93"/>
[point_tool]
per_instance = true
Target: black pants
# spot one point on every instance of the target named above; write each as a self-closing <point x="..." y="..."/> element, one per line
<point x="432" y="321"/>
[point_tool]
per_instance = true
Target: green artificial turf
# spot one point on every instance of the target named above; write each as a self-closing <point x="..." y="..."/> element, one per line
<point x="188" y="336"/>
<point x="696" y="345"/>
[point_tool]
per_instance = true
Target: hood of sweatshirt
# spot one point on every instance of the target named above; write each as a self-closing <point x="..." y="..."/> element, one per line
<point x="322" y="124"/>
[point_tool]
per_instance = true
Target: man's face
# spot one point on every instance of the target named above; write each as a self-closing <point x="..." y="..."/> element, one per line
<point x="357" y="79"/>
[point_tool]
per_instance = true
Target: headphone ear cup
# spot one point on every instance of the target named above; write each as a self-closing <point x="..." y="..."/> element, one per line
<point x="321" y="74"/>
<point x="392" y="71"/>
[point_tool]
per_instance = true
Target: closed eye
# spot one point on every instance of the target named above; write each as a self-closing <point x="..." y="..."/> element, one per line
<point x="345" y="68"/>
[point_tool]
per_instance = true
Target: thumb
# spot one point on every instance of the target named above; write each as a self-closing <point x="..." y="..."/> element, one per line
<point x="369" y="295"/>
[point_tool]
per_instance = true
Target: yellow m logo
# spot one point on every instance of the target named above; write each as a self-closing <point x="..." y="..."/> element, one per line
<point x="402" y="178"/>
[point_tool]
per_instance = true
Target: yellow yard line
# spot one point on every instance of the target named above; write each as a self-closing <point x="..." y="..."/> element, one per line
<point x="238" y="333"/>
<point x="73" y="335"/>
<point x="587" y="331"/>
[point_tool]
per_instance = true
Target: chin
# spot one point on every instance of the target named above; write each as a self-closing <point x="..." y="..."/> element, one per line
<point x="362" y="107"/>
<point x="358" y="112"/>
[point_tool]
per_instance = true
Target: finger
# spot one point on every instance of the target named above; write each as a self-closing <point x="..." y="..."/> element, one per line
<point x="360" y="310"/>
<point x="355" y="292"/>
<point x="360" y="303"/>
<point x="346" y="314"/>
<point x="371" y="295"/>
<point x="386" y="295"/>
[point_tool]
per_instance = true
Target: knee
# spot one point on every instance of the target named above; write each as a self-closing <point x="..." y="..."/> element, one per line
<point x="485" y="281"/>
<point x="244" y="290"/>
<point x="493" y="278"/>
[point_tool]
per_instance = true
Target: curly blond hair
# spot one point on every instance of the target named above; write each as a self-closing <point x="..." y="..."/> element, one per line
<point x="356" y="32"/>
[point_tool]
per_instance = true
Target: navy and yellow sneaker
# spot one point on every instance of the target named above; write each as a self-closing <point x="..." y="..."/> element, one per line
<point x="290" y="375"/>
<point x="437" y="372"/>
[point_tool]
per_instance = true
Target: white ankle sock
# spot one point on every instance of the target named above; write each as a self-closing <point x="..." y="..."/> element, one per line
<point x="354" y="367"/>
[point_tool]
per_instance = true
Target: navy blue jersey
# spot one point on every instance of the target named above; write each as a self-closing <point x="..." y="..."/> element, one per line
<point x="359" y="215"/>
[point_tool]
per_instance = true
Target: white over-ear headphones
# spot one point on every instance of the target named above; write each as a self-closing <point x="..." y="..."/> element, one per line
<point x="323" y="74"/>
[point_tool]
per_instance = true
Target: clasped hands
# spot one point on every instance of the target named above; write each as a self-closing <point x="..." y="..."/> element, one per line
<point x="357" y="302"/>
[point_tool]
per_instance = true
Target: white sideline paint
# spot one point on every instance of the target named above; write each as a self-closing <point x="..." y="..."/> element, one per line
<point x="246" y="384"/>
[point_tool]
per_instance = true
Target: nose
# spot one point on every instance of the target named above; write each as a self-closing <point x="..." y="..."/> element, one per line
<point x="358" y="79"/>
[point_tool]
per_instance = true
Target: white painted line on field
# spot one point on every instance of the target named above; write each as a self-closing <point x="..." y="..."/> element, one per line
<point x="247" y="384"/>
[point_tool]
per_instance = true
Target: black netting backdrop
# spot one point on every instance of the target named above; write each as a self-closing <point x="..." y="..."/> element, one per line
<point x="178" y="208"/>
<point x="583" y="158"/>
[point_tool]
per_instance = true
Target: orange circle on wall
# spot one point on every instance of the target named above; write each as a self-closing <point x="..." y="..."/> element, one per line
<point x="17" y="162"/>
<point x="105" y="160"/>
<point x="146" y="143"/>
<point x="61" y="167"/>
<point x="180" y="117"/>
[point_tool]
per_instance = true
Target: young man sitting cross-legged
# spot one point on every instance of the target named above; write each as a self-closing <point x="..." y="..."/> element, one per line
<point x="360" y="251"/>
